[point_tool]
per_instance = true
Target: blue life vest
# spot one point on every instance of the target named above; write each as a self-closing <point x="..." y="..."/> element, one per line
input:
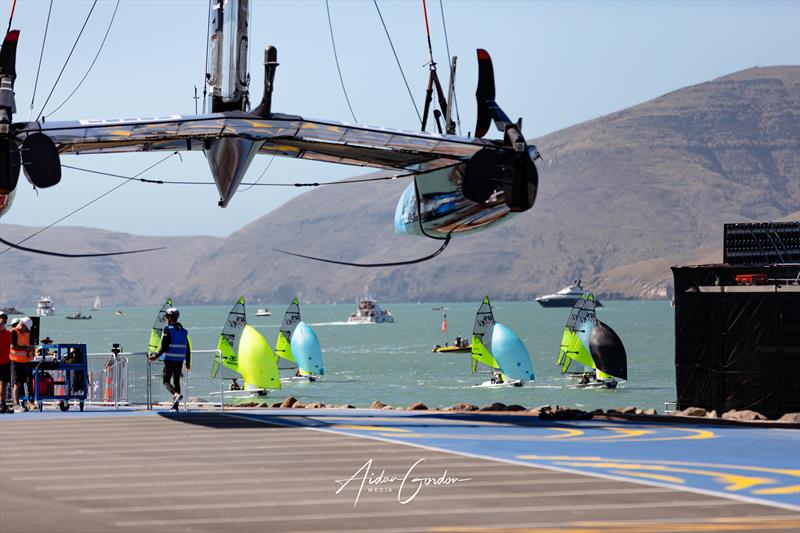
<point x="178" y="341"/>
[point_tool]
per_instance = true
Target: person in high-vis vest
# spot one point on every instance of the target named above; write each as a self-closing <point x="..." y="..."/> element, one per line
<point x="21" y="353"/>
<point x="175" y="349"/>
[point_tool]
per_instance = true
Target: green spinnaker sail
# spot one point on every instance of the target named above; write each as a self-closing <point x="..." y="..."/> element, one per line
<point x="258" y="365"/>
<point x="226" y="363"/>
<point x="158" y="328"/>
<point x="283" y="346"/>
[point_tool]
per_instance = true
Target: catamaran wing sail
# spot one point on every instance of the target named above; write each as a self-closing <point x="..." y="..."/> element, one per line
<point x="307" y="351"/>
<point x="482" y="337"/>
<point x="158" y="328"/>
<point x="257" y="363"/>
<point x="511" y="354"/>
<point x="226" y="365"/>
<point x="607" y="351"/>
<point x="283" y="347"/>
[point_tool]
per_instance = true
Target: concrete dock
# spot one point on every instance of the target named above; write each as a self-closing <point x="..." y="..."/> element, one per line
<point x="296" y="470"/>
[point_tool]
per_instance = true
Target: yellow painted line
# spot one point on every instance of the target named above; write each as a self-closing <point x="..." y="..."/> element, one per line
<point x="792" y="489"/>
<point x="657" y="477"/>
<point x="768" y="470"/>
<point x="568" y="433"/>
<point x="746" y="524"/>
<point x="732" y="482"/>
<point x="371" y="428"/>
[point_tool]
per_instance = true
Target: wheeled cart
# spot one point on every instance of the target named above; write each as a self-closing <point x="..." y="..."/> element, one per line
<point x="60" y="374"/>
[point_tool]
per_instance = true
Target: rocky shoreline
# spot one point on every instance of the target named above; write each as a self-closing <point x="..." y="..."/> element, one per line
<point x="549" y="412"/>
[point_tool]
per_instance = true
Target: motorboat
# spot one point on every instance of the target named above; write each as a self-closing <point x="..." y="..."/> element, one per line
<point x="263" y="312"/>
<point x="461" y="344"/>
<point x="78" y="316"/>
<point x="566" y="297"/>
<point x="45" y="307"/>
<point x="369" y="312"/>
<point x="119" y="312"/>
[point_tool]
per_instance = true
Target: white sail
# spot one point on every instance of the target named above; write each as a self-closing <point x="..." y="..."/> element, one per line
<point x="96" y="305"/>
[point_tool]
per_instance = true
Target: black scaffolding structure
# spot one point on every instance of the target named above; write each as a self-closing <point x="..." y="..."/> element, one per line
<point x="737" y="326"/>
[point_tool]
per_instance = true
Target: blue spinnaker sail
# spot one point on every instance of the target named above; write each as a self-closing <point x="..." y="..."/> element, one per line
<point x="511" y="354"/>
<point x="307" y="351"/>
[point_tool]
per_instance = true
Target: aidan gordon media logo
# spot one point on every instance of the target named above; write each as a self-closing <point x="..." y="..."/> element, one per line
<point x="410" y="485"/>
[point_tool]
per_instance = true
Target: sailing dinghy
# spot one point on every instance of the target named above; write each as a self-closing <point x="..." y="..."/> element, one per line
<point x="298" y="347"/>
<point x="245" y="354"/>
<point x="158" y="328"/>
<point x="500" y="350"/>
<point x="590" y="342"/>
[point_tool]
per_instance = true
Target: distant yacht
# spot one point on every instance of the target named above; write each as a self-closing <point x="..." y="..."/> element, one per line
<point x="78" y="316"/>
<point x="263" y="312"/>
<point x="96" y="305"/>
<point x="566" y="297"/>
<point x="369" y="312"/>
<point x="45" y="307"/>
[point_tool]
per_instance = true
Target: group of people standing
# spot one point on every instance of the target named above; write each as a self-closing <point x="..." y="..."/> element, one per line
<point x="16" y="354"/>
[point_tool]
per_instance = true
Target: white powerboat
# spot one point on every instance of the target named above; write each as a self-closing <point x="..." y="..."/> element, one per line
<point x="45" y="307"/>
<point x="566" y="297"/>
<point x="369" y="312"/>
<point x="263" y="312"/>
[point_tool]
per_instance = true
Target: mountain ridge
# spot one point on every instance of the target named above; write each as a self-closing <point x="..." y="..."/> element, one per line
<point x="620" y="196"/>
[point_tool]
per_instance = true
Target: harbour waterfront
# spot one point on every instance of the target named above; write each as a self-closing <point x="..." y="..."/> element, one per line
<point x="394" y="363"/>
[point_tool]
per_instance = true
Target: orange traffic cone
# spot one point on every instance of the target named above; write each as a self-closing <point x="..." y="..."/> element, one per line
<point x="60" y="390"/>
<point x="108" y="394"/>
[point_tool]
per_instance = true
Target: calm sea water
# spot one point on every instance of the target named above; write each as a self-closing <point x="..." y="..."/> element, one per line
<point x="394" y="363"/>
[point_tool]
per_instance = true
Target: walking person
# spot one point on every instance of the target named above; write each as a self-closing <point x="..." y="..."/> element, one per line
<point x="5" y="363"/>
<point x="21" y="353"/>
<point x="175" y="349"/>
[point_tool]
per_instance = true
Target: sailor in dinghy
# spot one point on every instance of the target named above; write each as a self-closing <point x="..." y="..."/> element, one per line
<point x="298" y="347"/>
<point x="245" y="354"/>
<point x="497" y="347"/>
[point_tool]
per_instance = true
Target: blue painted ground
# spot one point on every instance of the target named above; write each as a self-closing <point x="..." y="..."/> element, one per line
<point x="749" y="463"/>
<point x="753" y="464"/>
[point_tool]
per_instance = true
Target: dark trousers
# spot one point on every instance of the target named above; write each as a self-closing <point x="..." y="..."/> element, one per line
<point x="172" y="372"/>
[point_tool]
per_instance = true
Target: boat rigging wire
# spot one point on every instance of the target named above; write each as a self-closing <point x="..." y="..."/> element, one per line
<point x="336" y="56"/>
<point x="11" y="16"/>
<point x="385" y="29"/>
<point x="41" y="55"/>
<point x="372" y="265"/>
<point x="205" y="74"/>
<point x="16" y="245"/>
<point x="61" y="254"/>
<point x="251" y="184"/>
<point x="114" y="14"/>
<point x="269" y="164"/>
<point x="75" y="44"/>
<point x="428" y="33"/>
<point x="450" y="58"/>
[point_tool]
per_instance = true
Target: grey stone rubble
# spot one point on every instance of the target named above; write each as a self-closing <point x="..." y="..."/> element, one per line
<point x="544" y="412"/>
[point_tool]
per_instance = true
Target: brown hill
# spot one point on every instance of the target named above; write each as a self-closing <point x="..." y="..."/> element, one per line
<point x="621" y="198"/>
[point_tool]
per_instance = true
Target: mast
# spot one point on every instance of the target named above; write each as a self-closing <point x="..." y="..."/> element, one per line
<point x="228" y="79"/>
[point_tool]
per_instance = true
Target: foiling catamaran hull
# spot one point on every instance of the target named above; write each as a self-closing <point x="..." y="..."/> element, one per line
<point x="460" y="184"/>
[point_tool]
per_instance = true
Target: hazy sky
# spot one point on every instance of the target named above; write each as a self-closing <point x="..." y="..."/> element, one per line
<point x="556" y="64"/>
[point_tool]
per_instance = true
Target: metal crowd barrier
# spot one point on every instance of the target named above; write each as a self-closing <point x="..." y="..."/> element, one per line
<point x="126" y="378"/>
